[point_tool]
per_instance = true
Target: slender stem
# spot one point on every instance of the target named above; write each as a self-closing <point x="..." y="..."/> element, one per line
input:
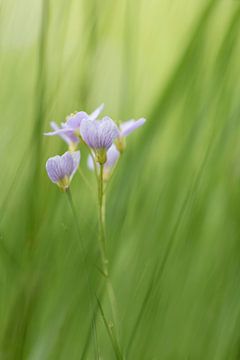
<point x="110" y="332"/>
<point x="101" y="214"/>
<point x="104" y="258"/>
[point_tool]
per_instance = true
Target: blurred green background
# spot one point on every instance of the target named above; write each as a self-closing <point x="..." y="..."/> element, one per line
<point x="173" y="206"/>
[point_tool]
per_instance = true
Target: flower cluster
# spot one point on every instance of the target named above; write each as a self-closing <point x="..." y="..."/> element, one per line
<point x="104" y="139"/>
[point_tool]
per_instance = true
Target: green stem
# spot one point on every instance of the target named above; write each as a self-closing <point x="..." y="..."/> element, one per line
<point x="101" y="214"/>
<point x="104" y="258"/>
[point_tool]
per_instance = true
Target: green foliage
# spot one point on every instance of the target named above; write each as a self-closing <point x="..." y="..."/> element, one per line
<point x="173" y="204"/>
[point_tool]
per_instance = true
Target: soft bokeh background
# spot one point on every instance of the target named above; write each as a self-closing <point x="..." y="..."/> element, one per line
<point x="173" y="211"/>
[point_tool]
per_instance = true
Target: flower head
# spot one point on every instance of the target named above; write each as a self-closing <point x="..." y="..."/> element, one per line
<point x="127" y="128"/>
<point x="99" y="136"/>
<point x="60" y="169"/>
<point x="69" y="131"/>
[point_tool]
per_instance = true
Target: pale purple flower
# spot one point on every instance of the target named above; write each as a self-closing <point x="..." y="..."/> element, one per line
<point x="69" y="131"/>
<point x="60" y="169"/>
<point x="99" y="136"/>
<point x="112" y="157"/>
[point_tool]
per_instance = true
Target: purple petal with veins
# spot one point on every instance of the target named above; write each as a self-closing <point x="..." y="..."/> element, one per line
<point x="54" y="170"/>
<point x="99" y="134"/>
<point x="59" y="167"/>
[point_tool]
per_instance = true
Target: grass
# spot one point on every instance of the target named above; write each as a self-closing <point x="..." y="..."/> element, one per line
<point x="173" y="205"/>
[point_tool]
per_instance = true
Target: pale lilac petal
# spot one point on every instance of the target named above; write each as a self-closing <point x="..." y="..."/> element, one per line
<point x="107" y="132"/>
<point x="67" y="164"/>
<point x="59" y="132"/>
<point x="76" y="160"/>
<point x="90" y="163"/>
<point x="74" y="121"/>
<point x="112" y="156"/>
<point x="62" y="135"/>
<point x="94" y="115"/>
<point x="53" y="167"/>
<point x="73" y="138"/>
<point x="67" y="134"/>
<point x="54" y="125"/>
<point x="88" y="131"/>
<point x="99" y="134"/>
<point x="129" y="126"/>
<point x="59" y="167"/>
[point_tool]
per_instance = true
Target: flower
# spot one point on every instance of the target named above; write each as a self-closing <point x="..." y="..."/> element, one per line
<point x="99" y="136"/>
<point x="69" y="131"/>
<point x="127" y="128"/>
<point x="60" y="169"/>
<point x="112" y="157"/>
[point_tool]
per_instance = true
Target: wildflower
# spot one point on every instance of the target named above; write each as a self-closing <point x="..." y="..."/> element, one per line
<point x="127" y="128"/>
<point x="60" y="169"/>
<point x="99" y="136"/>
<point x="112" y="157"/>
<point x="69" y="131"/>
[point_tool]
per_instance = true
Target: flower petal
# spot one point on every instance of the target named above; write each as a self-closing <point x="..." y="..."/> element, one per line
<point x="94" y="115"/>
<point x="62" y="135"/>
<point x="74" y="121"/>
<point x="88" y="131"/>
<point x="65" y="166"/>
<point x="76" y="160"/>
<point x="99" y="134"/>
<point x="112" y="156"/>
<point x="90" y="163"/>
<point x="67" y="134"/>
<point x="129" y="126"/>
<point x="54" y="170"/>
